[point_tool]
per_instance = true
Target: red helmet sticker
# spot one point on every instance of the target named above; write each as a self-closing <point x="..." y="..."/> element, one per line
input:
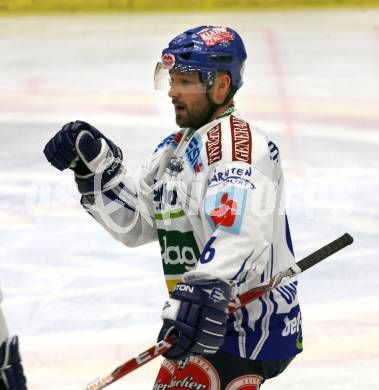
<point x="168" y="60"/>
<point x="215" y="35"/>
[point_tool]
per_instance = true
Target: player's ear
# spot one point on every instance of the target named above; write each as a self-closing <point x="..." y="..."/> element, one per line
<point x="222" y="87"/>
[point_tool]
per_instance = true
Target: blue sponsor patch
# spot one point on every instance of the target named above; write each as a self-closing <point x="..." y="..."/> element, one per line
<point x="225" y="209"/>
<point x="193" y="154"/>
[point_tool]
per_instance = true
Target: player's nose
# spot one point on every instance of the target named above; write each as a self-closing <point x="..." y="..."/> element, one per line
<point x="173" y="91"/>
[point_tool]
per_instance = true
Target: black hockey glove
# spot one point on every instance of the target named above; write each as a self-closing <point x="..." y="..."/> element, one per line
<point x="196" y="314"/>
<point x="95" y="159"/>
<point x="11" y="371"/>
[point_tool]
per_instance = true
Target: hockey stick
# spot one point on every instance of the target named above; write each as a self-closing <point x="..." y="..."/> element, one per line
<point x="247" y="297"/>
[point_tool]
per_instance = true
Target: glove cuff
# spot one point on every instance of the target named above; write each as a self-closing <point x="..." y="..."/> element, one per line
<point x="211" y="293"/>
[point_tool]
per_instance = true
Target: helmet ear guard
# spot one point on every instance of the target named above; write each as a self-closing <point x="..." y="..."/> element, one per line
<point x="232" y="90"/>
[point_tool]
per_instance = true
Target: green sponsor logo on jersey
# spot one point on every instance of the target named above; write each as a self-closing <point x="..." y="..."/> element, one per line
<point x="179" y="251"/>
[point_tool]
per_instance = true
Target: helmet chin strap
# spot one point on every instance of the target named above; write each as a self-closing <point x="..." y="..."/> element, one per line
<point x="213" y="107"/>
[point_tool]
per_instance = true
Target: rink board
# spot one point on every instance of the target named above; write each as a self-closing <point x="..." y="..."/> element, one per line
<point x="98" y="6"/>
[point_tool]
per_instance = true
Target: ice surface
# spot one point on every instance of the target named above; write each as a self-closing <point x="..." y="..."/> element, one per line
<point x="81" y="302"/>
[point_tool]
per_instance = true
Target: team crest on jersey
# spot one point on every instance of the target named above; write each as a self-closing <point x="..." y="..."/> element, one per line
<point x="241" y="140"/>
<point x="193" y="154"/>
<point x="215" y="35"/>
<point x="225" y="209"/>
<point x="175" y="165"/>
<point x="213" y="144"/>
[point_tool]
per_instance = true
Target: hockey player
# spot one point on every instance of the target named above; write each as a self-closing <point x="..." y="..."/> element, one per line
<point x="212" y="193"/>
<point x="11" y="370"/>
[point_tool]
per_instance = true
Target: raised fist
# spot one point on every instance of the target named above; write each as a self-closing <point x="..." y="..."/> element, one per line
<point x="95" y="159"/>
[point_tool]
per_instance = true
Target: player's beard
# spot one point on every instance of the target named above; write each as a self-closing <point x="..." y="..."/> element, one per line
<point x="194" y="116"/>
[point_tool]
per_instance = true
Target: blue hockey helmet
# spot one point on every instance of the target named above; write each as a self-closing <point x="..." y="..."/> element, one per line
<point x="207" y="49"/>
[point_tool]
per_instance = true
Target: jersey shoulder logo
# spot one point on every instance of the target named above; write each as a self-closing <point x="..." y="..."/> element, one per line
<point x="241" y="140"/>
<point x="213" y="144"/>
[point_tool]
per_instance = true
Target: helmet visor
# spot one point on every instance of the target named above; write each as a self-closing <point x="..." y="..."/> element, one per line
<point x="161" y="77"/>
<point x="186" y="78"/>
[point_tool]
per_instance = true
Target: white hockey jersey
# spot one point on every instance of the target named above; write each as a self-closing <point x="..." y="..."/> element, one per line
<point x="214" y="199"/>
